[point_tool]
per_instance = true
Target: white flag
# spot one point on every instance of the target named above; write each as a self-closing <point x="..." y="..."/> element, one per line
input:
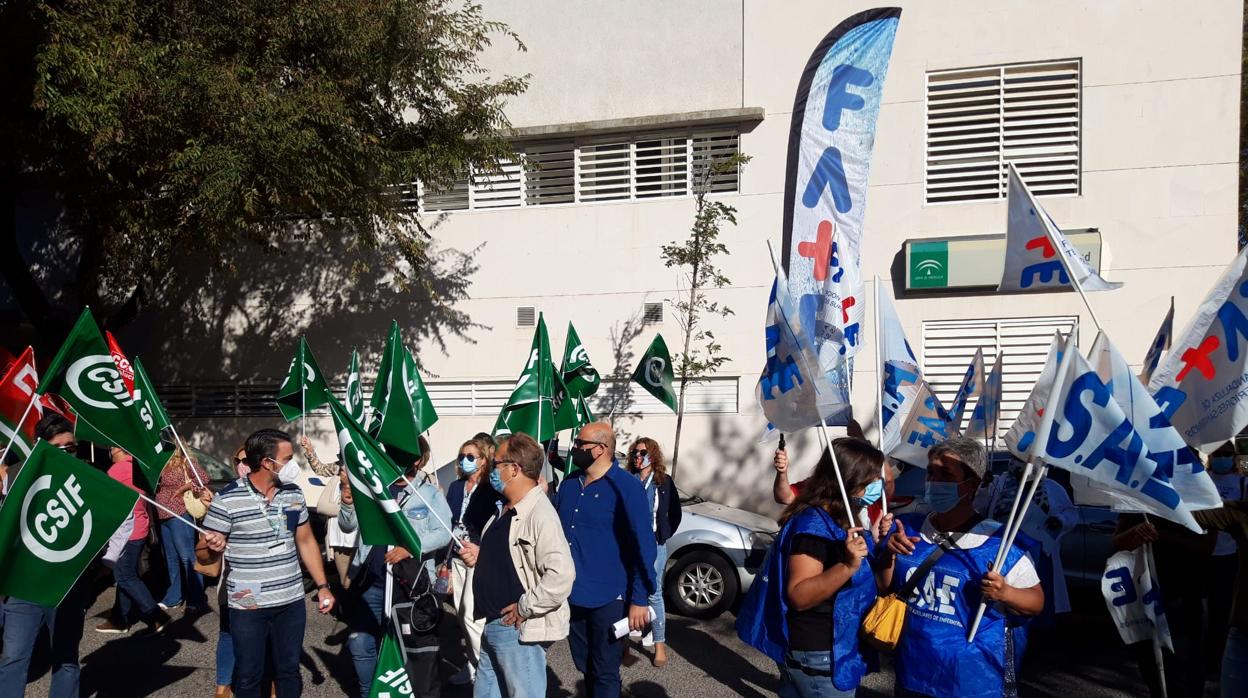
<point x="1021" y="434"/>
<point x="970" y="390"/>
<point x="926" y="425"/>
<point x="988" y="409"/>
<point x="1134" y="597"/>
<point x="1160" y="345"/>
<point x="1202" y="383"/>
<point x="1037" y="253"/>
<point x="899" y="370"/>
<point x="1162" y="443"/>
<point x="1085" y="430"/>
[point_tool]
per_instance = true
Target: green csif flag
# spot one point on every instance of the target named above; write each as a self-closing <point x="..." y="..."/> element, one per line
<point x="390" y="679"/>
<point x="85" y="375"/>
<point x="305" y="388"/>
<point x="400" y="406"/>
<point x="531" y="407"/>
<point x="58" y="514"/>
<point x="654" y="373"/>
<point x="580" y="379"/>
<point x="355" y="392"/>
<point x="422" y="405"/>
<point x="149" y="404"/>
<point x="370" y="472"/>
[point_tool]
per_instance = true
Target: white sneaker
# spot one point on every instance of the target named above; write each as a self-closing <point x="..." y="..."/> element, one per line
<point x="647" y="640"/>
<point x="163" y="607"/>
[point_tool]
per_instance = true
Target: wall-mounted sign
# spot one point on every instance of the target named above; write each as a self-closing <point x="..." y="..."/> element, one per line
<point x="976" y="261"/>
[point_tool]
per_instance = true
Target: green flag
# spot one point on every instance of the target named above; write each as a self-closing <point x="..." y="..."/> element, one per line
<point x="150" y="409"/>
<point x="355" y="392"/>
<point x="58" y="514"/>
<point x="305" y="388"/>
<point x="85" y="375"/>
<point x="370" y="472"/>
<point x="396" y="403"/>
<point x="654" y="373"/>
<point x="580" y="379"/>
<point x="390" y="680"/>
<point x="531" y="407"/>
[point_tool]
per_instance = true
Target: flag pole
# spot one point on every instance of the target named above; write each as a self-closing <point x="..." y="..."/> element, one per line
<point x="1157" y="656"/>
<point x="1074" y="279"/>
<point x="33" y="399"/>
<point x="190" y="462"/>
<point x="879" y="392"/>
<point x="436" y="515"/>
<point x="172" y="513"/>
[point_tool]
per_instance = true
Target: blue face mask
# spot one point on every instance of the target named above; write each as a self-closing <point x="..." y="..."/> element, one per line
<point x="871" y="494"/>
<point x="468" y="465"/>
<point x="1222" y="465"/>
<point x="942" y="496"/>
<point x="496" y="481"/>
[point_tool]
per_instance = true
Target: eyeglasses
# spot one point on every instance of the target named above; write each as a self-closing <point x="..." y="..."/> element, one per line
<point x="582" y="443"/>
<point x="640" y="453"/>
<point x="471" y="458"/>
<point x="505" y="462"/>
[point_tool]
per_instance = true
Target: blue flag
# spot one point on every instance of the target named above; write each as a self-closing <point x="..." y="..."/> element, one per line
<point x="1160" y="345"/>
<point x="988" y="410"/>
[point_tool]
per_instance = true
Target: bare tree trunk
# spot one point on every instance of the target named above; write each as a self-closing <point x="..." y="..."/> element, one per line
<point x="690" y="323"/>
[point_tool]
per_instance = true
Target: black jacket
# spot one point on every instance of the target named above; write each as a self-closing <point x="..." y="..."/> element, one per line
<point x="668" y="513"/>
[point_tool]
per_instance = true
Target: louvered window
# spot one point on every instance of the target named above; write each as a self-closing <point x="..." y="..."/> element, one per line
<point x="620" y="168"/>
<point x="949" y="345"/>
<point x="981" y="119"/>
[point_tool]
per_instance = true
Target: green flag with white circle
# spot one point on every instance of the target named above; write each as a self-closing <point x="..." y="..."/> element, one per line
<point x="580" y="378"/>
<point x="59" y="513"/>
<point x="355" y="392"/>
<point x="390" y="679"/>
<point x="304" y="388"/>
<point x="654" y="373"/>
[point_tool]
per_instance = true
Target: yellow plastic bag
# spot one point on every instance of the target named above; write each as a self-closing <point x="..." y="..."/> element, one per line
<point x="882" y="626"/>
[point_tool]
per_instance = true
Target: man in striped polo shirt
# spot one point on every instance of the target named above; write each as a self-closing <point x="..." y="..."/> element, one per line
<point x="260" y="523"/>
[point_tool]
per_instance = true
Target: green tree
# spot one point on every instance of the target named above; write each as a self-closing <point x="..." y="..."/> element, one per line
<point x="173" y="130"/>
<point x="696" y="256"/>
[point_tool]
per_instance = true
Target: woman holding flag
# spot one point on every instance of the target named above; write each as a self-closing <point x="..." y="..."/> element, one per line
<point x="943" y="573"/>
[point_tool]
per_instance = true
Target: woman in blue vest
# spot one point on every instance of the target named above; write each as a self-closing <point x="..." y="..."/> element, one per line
<point x="933" y="657"/>
<point x="818" y="583"/>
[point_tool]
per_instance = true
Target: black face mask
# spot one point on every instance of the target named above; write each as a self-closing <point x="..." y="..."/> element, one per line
<point x="581" y="458"/>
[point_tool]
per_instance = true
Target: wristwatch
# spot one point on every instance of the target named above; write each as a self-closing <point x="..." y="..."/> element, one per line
<point x="322" y="586"/>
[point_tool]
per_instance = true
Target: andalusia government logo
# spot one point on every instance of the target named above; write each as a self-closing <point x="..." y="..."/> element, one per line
<point x="55" y="524"/>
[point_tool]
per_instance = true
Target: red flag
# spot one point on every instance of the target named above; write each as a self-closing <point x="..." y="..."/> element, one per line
<point x="17" y="389"/>
<point x="57" y="404"/>
<point x="119" y="358"/>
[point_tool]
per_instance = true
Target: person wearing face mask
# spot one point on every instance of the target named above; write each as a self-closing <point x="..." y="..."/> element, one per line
<point x="1051" y="516"/>
<point x="607" y="523"/>
<point x="469" y="466"/>
<point x="645" y="460"/>
<point x="1233" y="487"/>
<point x="260" y="524"/>
<point x="384" y="576"/>
<point x="1231" y="519"/>
<point x="806" y="609"/>
<point x="943" y="573"/>
<point x="524" y="575"/>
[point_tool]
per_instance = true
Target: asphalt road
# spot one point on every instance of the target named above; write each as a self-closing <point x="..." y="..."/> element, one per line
<point x="1084" y="657"/>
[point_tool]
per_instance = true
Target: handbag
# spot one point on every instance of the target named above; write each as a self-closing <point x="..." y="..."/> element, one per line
<point x="209" y="570"/>
<point x="194" y="505"/>
<point x="882" y="625"/>
<point x="328" y="503"/>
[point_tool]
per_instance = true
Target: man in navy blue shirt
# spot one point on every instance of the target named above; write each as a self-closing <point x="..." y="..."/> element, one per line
<point x="607" y="523"/>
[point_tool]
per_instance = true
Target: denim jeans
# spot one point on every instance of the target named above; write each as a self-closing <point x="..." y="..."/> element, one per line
<point x="277" y="630"/>
<point x="508" y="666"/>
<point x="658" y="628"/>
<point x="22" y="623"/>
<point x="366" y="625"/>
<point x="225" y="659"/>
<point x="795" y="683"/>
<point x="1235" y="664"/>
<point x="185" y="584"/>
<point x="131" y="591"/>
<point x="595" y="651"/>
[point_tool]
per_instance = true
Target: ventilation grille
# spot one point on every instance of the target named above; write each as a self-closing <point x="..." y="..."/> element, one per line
<point x="652" y="313"/>
<point x="526" y="316"/>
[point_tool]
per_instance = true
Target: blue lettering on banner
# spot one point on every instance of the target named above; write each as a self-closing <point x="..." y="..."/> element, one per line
<point x="1122" y="585"/>
<point x="839" y="96"/>
<point x="834" y="262"/>
<point x="1169" y="399"/>
<point x="829" y="172"/>
<point x="783" y="375"/>
<point x="1043" y="272"/>
<point x="1234" y="324"/>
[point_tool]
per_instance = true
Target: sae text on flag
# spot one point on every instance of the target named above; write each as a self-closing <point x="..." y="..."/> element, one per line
<point x="899" y="369"/>
<point x="1037" y="253"/>
<point x="1133" y="597"/>
<point x="59" y="512"/>
<point x="1022" y="433"/>
<point x="1202" y="384"/>
<point x="1160" y="440"/>
<point x="1160" y="345"/>
<point x="17" y="391"/>
<point x="831" y="138"/>
<point x="793" y="392"/>
<point x="370" y="473"/>
<point x="1085" y="430"/>
<point x="84" y="374"/>
<point x="304" y="388"/>
<point x="926" y="425"/>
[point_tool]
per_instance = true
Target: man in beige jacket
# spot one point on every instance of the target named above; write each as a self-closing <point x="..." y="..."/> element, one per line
<point x="523" y="577"/>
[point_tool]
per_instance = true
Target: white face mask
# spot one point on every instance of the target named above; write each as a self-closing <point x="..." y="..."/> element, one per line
<point x="289" y="472"/>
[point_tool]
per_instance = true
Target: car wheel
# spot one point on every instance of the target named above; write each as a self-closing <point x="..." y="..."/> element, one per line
<point x="702" y="584"/>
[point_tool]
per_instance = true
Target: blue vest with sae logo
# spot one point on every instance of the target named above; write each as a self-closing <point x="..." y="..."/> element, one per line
<point x="933" y="656"/>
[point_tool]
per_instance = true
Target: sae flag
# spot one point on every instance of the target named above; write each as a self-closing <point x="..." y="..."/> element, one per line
<point x="1023" y="432"/>
<point x="926" y="425"/>
<point x="988" y="409"/>
<point x="831" y="138"/>
<point x="792" y="391"/>
<point x="1161" y="442"/>
<point x="971" y="390"/>
<point x="1037" y="254"/>
<point x="1086" y="431"/>
<point x="1203" y="382"/>
<point x="899" y="370"/>
<point x="1161" y="344"/>
<point x="1133" y="597"/>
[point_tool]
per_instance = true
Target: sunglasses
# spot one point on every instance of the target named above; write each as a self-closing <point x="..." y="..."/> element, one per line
<point x="238" y="460"/>
<point x="582" y="443"/>
<point x="471" y="458"/>
<point x="639" y="454"/>
<point x="69" y="448"/>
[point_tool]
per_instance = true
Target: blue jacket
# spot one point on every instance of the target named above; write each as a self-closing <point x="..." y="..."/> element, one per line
<point x="607" y="525"/>
<point x="762" y="624"/>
